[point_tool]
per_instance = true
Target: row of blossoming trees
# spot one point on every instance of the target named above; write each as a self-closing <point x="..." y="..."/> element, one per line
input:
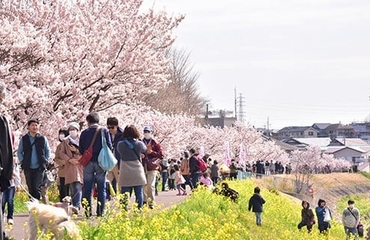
<point x="61" y="60"/>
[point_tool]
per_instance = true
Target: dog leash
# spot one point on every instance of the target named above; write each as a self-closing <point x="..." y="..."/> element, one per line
<point x="28" y="193"/>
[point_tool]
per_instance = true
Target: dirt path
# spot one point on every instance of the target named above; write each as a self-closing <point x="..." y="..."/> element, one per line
<point x="19" y="230"/>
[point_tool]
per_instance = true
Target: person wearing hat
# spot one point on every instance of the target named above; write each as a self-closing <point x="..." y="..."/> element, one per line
<point x="151" y="161"/>
<point x="74" y="170"/>
<point x="33" y="155"/>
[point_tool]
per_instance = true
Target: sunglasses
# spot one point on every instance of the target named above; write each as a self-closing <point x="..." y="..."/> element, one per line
<point x="110" y="127"/>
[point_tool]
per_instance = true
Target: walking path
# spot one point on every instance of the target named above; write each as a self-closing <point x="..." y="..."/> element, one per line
<point x="19" y="230"/>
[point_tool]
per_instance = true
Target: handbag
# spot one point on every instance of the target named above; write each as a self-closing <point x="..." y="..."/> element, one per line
<point x="106" y="158"/>
<point x="87" y="155"/>
<point x="327" y="217"/>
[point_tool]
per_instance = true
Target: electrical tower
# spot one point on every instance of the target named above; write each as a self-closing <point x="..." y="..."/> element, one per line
<point x="239" y="107"/>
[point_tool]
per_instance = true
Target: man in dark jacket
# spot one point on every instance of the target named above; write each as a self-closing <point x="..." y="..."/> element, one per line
<point x="34" y="154"/>
<point x="6" y="158"/>
<point x="116" y="135"/>
<point x="93" y="173"/>
<point x="256" y="205"/>
<point x="194" y="167"/>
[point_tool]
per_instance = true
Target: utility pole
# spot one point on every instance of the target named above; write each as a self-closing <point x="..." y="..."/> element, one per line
<point x="235" y="104"/>
<point x="241" y="113"/>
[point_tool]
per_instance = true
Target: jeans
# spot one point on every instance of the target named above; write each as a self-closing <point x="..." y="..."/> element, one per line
<point x="149" y="187"/>
<point x="138" y="194"/>
<point x="8" y="198"/>
<point x="195" y="179"/>
<point x="164" y="180"/>
<point x="93" y="173"/>
<point x="188" y="182"/>
<point x="34" y="181"/>
<point x="350" y="231"/>
<point x="63" y="189"/>
<point x="258" y="218"/>
<point x="76" y="189"/>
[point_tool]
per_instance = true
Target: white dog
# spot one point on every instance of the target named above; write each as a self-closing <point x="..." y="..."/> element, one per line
<point x="52" y="219"/>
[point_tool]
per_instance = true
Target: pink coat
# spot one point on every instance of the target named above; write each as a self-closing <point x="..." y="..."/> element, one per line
<point x="73" y="173"/>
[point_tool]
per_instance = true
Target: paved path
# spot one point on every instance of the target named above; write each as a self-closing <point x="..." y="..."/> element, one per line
<point x="19" y="229"/>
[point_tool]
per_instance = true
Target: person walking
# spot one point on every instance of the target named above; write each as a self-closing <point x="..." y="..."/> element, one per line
<point x="215" y="172"/>
<point x="92" y="172"/>
<point x="116" y="135"/>
<point x="63" y="187"/>
<point x="322" y="213"/>
<point x="151" y="161"/>
<point x="185" y="170"/>
<point x="132" y="174"/>
<point x="6" y="157"/>
<point x="33" y="155"/>
<point x="74" y="170"/>
<point x="350" y="220"/>
<point x="256" y="205"/>
<point x="9" y="193"/>
<point x="194" y="168"/>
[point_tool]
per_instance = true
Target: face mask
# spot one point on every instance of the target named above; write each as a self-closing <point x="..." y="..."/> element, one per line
<point x="61" y="137"/>
<point x="147" y="135"/>
<point x="73" y="133"/>
<point x="351" y="205"/>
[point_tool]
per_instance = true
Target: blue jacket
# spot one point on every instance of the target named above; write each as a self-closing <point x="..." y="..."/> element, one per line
<point x="320" y="214"/>
<point x="86" y="138"/>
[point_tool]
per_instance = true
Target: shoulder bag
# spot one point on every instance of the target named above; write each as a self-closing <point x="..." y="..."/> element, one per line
<point x="130" y="146"/>
<point x="106" y="159"/>
<point x="360" y="227"/>
<point x="87" y="155"/>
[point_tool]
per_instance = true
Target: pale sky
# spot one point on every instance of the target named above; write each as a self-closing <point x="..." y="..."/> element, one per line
<point x="295" y="62"/>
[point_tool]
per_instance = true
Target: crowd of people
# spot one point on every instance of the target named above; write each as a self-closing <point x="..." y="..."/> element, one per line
<point x="141" y="167"/>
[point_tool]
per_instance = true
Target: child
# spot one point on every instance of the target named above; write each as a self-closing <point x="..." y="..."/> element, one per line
<point x="172" y="175"/>
<point x="256" y="205"/>
<point x="8" y="194"/>
<point x="180" y="180"/>
<point x="228" y="192"/>
<point x="206" y="180"/>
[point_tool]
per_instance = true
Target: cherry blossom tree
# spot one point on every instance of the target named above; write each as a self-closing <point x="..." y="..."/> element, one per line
<point x="306" y="163"/>
<point x="63" y="59"/>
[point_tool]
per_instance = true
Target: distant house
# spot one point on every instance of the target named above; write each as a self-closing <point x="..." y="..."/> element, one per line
<point x="351" y="154"/>
<point x="221" y="121"/>
<point x="338" y="130"/>
<point x="354" y="150"/>
<point x="321" y="128"/>
<point x="297" y="132"/>
<point x="303" y="143"/>
<point x="362" y="130"/>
